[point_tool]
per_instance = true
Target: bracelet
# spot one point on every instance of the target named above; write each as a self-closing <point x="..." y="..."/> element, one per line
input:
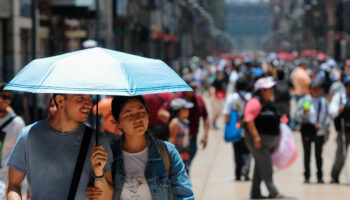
<point x="98" y="177"/>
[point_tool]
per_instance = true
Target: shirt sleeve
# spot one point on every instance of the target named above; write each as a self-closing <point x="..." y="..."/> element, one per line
<point x="252" y="110"/>
<point x="228" y="105"/>
<point x="335" y="104"/>
<point x="17" y="158"/>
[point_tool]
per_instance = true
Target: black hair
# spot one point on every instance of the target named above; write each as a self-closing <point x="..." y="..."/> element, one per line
<point x="119" y="102"/>
<point x="54" y="98"/>
<point x="2" y="85"/>
<point x="242" y="84"/>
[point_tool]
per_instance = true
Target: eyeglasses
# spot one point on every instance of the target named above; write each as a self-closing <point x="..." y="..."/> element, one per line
<point x="5" y="97"/>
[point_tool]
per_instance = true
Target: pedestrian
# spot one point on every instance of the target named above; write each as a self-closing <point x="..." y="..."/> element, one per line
<point x="262" y="121"/>
<point x="47" y="152"/>
<point x="313" y="115"/>
<point x="108" y="126"/>
<point x="139" y="169"/>
<point x="301" y="81"/>
<point x="198" y="112"/>
<point x="282" y="93"/>
<point x="236" y="101"/>
<point x="10" y="127"/>
<point x="217" y="97"/>
<point x="339" y="108"/>
<point x="156" y="127"/>
<point x="178" y="127"/>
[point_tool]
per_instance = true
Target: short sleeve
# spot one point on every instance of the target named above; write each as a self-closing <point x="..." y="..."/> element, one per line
<point x="252" y="110"/>
<point x="17" y="158"/>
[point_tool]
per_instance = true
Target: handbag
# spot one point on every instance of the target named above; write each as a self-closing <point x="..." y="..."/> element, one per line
<point x="232" y="133"/>
<point x="286" y="152"/>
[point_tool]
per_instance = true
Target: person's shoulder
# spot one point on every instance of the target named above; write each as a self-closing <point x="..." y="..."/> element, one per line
<point x="170" y="147"/>
<point x="18" y="121"/>
<point x="32" y="128"/>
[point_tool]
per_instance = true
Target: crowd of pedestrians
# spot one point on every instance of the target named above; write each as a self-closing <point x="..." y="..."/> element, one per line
<point x="131" y="148"/>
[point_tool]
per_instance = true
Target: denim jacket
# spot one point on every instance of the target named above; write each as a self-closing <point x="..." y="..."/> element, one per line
<point x="155" y="172"/>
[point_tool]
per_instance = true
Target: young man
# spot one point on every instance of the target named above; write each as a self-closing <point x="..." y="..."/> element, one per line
<point x="339" y="108"/>
<point x="47" y="151"/>
<point x="11" y="127"/>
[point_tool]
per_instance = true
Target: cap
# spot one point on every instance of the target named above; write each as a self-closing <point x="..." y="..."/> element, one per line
<point x="264" y="83"/>
<point x="190" y="80"/>
<point x="180" y="103"/>
<point x="315" y="83"/>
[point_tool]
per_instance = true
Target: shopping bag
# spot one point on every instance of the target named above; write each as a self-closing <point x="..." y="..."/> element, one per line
<point x="232" y="133"/>
<point x="286" y="152"/>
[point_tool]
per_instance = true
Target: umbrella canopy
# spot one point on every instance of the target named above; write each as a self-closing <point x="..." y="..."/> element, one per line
<point x="97" y="71"/>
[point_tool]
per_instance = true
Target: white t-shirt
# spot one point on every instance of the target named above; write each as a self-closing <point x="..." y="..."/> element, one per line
<point x="235" y="102"/>
<point x="135" y="186"/>
<point x="12" y="130"/>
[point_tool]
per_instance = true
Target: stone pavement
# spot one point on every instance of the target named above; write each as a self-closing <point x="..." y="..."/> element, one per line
<point x="212" y="174"/>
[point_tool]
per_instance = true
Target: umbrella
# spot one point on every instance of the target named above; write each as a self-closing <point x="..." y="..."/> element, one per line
<point x="97" y="71"/>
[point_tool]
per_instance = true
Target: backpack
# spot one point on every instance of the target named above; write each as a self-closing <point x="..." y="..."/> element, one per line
<point x="282" y="91"/>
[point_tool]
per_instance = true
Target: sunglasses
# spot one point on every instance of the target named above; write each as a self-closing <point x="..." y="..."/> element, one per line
<point x="5" y="97"/>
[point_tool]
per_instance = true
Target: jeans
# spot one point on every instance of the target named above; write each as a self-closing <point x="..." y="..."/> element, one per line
<point x="263" y="170"/>
<point x="242" y="158"/>
<point x="192" y="150"/>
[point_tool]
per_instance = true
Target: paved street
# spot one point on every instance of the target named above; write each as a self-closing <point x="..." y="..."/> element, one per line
<point x="212" y="174"/>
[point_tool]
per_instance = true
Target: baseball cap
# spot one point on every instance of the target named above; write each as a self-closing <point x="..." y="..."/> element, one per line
<point x="180" y="103"/>
<point x="264" y="83"/>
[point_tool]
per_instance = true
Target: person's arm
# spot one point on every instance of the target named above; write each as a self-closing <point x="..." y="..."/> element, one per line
<point x="173" y="130"/>
<point x="206" y="130"/>
<point x="102" y="181"/>
<point x="163" y="115"/>
<point x="252" y="110"/>
<point x="13" y="189"/>
<point x="254" y="132"/>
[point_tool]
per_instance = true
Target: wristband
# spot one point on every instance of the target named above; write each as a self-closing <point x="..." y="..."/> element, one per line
<point x="98" y="177"/>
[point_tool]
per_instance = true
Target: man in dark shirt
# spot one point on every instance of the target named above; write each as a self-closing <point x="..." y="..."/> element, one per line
<point x="154" y="102"/>
<point x="196" y="113"/>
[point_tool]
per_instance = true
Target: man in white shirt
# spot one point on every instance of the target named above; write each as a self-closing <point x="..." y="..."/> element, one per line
<point x="10" y="127"/>
<point x="236" y="101"/>
<point x="339" y="108"/>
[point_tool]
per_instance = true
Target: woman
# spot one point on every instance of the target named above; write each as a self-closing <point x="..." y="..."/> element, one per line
<point x="179" y="129"/>
<point x="262" y="121"/>
<point x="138" y="171"/>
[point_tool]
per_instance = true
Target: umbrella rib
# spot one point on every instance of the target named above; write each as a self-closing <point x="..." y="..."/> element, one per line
<point x="45" y="77"/>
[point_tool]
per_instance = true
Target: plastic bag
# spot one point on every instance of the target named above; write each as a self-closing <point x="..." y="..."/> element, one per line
<point x="286" y="152"/>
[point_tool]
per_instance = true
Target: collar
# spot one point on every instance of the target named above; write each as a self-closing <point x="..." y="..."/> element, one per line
<point x="153" y="149"/>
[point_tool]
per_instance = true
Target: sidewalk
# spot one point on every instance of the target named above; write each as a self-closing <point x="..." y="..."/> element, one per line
<point x="212" y="174"/>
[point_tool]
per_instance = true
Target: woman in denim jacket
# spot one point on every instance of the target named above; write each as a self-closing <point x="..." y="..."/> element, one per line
<point x="138" y="171"/>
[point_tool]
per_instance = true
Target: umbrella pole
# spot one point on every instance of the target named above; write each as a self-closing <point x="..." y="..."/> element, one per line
<point x="97" y="119"/>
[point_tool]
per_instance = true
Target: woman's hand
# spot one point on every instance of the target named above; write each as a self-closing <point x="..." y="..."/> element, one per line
<point x="257" y="141"/>
<point x="93" y="193"/>
<point x="98" y="159"/>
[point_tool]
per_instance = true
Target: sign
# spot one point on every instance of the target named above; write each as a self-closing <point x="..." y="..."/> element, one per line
<point x="75" y="34"/>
